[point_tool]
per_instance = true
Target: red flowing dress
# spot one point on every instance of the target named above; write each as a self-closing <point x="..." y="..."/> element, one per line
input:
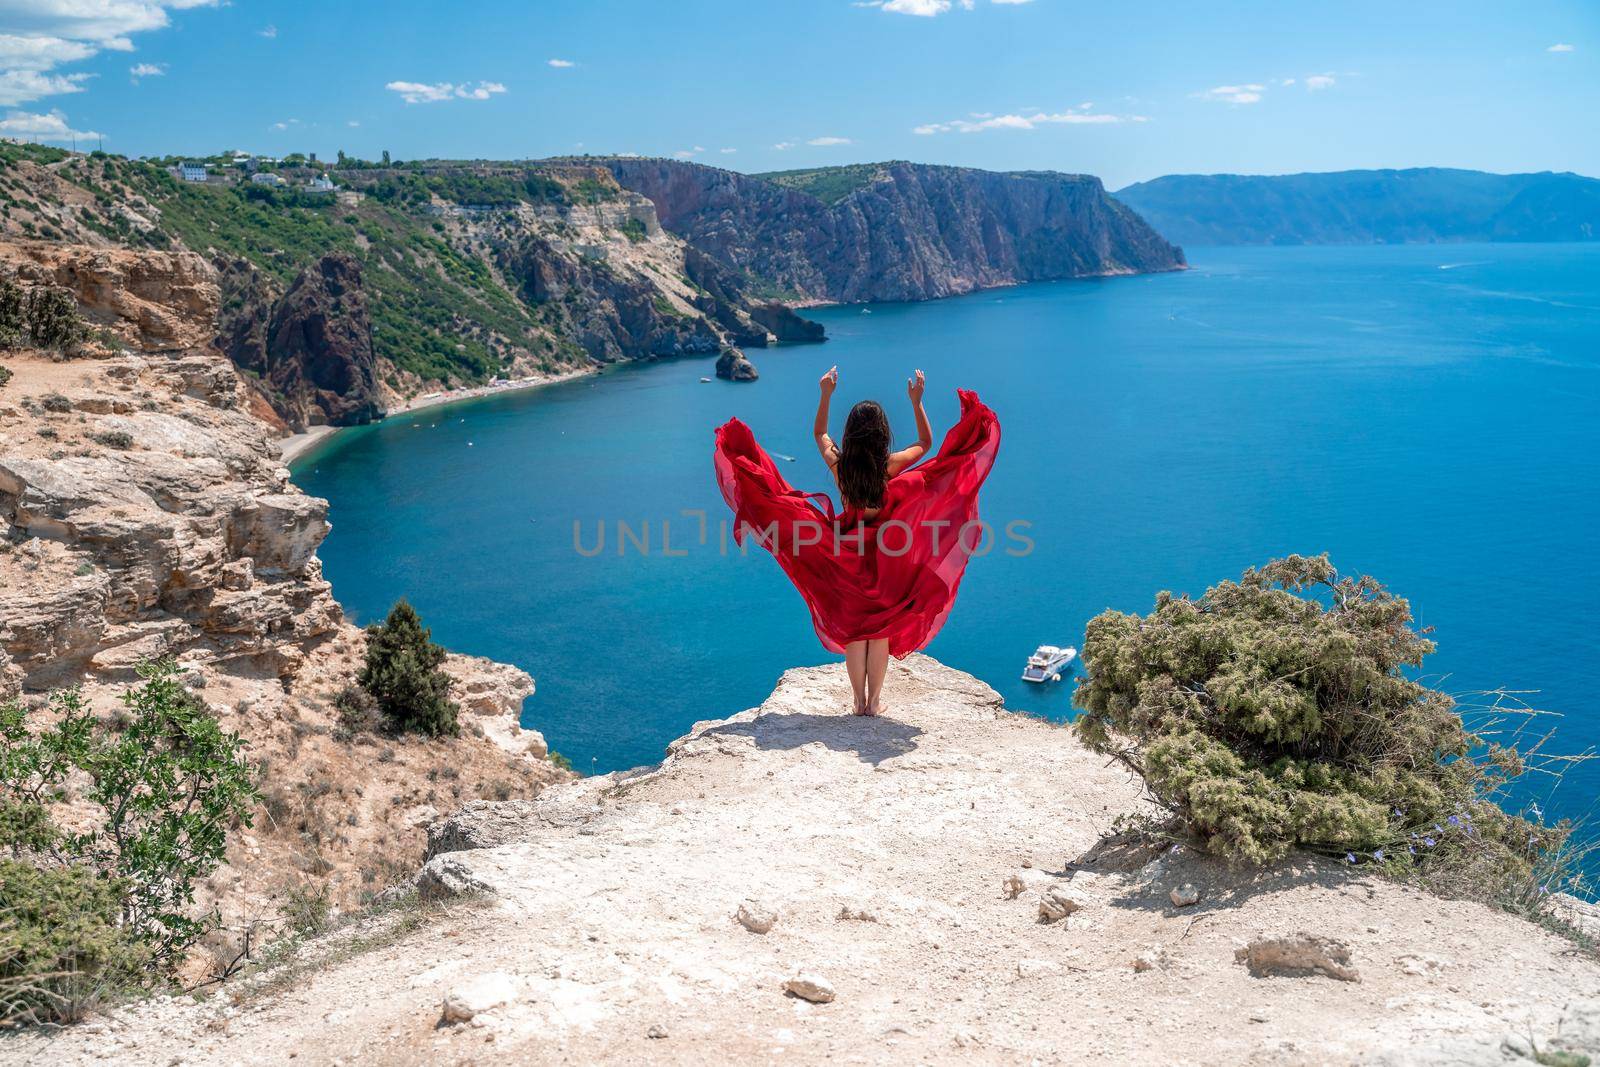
<point x="893" y="577"/>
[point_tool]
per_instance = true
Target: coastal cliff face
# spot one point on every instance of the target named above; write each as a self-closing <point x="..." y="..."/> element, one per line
<point x="796" y="883"/>
<point x="144" y="512"/>
<point x="313" y="349"/>
<point x="902" y="231"/>
<point x="413" y="279"/>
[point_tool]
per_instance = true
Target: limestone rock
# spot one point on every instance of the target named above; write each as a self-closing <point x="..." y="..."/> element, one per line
<point x="477" y="997"/>
<point x="493" y="694"/>
<point x="157" y="301"/>
<point x="1057" y="902"/>
<point x="1184" y="895"/>
<point x="483" y="824"/>
<point x="448" y="876"/>
<point x="812" y="987"/>
<point x="1298" y="955"/>
<point x="756" y="917"/>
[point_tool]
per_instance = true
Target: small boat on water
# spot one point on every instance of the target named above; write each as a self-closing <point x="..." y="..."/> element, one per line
<point x="1048" y="663"/>
<point x="705" y="379"/>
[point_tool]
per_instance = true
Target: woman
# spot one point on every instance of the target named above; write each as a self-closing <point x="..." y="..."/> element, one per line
<point x="881" y="576"/>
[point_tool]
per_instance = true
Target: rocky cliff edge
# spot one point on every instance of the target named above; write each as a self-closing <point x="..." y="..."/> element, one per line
<point x="144" y="513"/>
<point x="796" y="885"/>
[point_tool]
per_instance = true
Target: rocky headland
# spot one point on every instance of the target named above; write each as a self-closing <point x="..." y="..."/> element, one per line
<point x="794" y="884"/>
<point x="898" y="231"/>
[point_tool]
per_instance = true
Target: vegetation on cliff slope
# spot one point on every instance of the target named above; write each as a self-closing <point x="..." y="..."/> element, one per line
<point x="108" y="825"/>
<point x="828" y="184"/>
<point x="402" y="676"/>
<point x="438" y="312"/>
<point x="40" y="317"/>
<point x="1282" y="711"/>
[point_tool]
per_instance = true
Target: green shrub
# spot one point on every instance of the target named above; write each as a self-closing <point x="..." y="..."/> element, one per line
<point x="53" y="320"/>
<point x="358" y="713"/>
<point x="62" y="946"/>
<point x="13" y="316"/>
<point x="308" y="910"/>
<point x="1277" y="712"/>
<point x="634" y="230"/>
<point x="119" y="439"/>
<point x="44" y="317"/>
<point x="5" y="376"/>
<point x="402" y="674"/>
<point x="155" y="792"/>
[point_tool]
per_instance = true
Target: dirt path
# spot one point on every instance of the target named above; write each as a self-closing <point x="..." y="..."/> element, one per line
<point x="882" y="848"/>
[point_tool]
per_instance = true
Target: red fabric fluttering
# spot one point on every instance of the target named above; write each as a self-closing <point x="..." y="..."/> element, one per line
<point x="894" y="577"/>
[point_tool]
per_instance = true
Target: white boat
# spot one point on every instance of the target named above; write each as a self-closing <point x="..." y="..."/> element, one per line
<point x="705" y="379"/>
<point x="1048" y="663"/>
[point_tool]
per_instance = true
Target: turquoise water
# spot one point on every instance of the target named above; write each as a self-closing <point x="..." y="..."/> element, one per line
<point x="1426" y="414"/>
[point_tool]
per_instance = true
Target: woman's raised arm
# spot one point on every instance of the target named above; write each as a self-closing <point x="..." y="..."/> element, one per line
<point x="904" y="458"/>
<point x="819" y="429"/>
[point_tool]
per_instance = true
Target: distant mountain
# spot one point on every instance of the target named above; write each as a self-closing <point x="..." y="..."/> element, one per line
<point x="1421" y="205"/>
<point x="896" y="230"/>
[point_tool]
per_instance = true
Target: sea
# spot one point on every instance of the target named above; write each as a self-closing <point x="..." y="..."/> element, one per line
<point x="1426" y="414"/>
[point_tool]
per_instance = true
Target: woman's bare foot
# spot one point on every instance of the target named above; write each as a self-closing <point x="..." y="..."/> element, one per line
<point x="873" y="710"/>
<point x="860" y="706"/>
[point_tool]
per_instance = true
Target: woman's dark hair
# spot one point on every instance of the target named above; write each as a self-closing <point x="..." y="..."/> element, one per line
<point x="863" y="468"/>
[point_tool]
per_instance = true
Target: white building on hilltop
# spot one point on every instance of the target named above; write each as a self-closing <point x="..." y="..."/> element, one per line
<point x="189" y="172"/>
<point x="267" y="177"/>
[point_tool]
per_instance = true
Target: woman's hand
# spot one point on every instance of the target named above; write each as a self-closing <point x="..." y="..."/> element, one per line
<point x="829" y="380"/>
<point x="914" y="387"/>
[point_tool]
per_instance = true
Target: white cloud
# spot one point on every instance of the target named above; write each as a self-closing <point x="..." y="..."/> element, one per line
<point x="687" y="153"/>
<point x="1233" y="94"/>
<point x="434" y="92"/>
<point x="40" y="53"/>
<point x="26" y="125"/>
<point x="353" y="123"/>
<point x="1315" y="82"/>
<point x="784" y="146"/>
<point x="1031" y="119"/>
<point x="562" y="63"/>
<point x="827" y="142"/>
<point x="268" y="31"/>
<point x="22" y="86"/>
<point x="147" y="70"/>
<point x="920" y="8"/>
<point x="1561" y="48"/>
<point x="482" y="91"/>
<point x="40" y="35"/>
<point x="727" y="151"/>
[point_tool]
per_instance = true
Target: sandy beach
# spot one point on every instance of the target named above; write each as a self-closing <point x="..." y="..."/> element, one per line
<point x="296" y="445"/>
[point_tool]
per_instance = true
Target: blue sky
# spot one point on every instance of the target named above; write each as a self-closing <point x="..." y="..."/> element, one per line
<point x="1127" y="92"/>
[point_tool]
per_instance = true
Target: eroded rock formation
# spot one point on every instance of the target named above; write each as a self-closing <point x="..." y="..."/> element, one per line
<point x="311" y="348"/>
